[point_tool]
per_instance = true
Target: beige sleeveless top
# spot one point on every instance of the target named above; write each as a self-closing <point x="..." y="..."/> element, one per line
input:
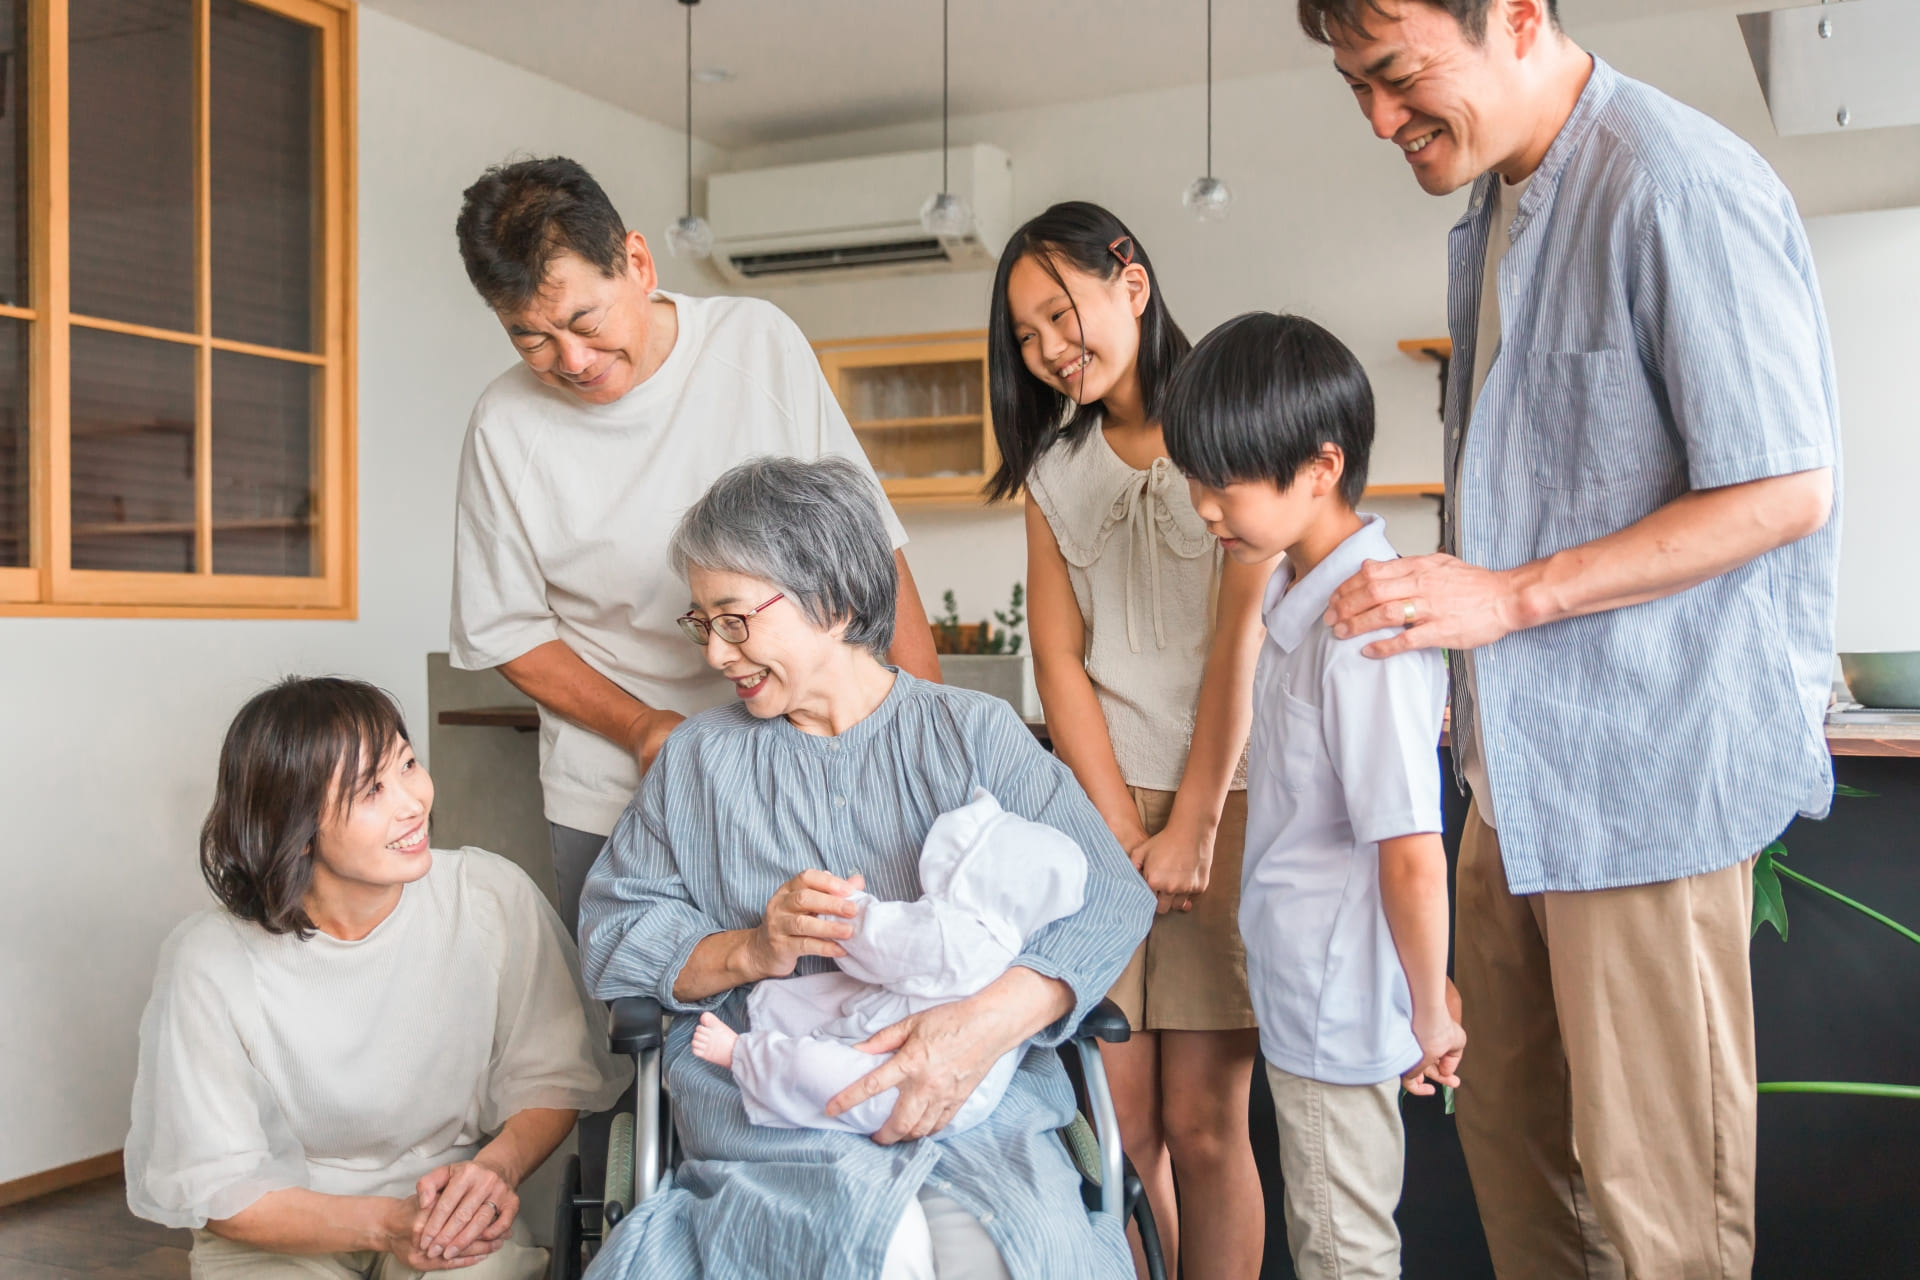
<point x="1146" y="575"/>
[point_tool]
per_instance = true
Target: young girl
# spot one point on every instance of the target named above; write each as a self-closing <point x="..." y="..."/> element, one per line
<point x="1144" y="642"/>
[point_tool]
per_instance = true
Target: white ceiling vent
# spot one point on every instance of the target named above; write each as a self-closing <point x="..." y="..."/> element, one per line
<point x="845" y="219"/>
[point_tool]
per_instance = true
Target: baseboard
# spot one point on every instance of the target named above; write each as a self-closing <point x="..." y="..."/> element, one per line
<point x="67" y="1175"/>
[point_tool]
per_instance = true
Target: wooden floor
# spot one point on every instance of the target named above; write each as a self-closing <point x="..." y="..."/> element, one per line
<point x="87" y="1231"/>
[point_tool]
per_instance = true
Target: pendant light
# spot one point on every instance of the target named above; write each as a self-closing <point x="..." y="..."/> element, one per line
<point x="1207" y="197"/>
<point x="945" y="214"/>
<point x="690" y="237"/>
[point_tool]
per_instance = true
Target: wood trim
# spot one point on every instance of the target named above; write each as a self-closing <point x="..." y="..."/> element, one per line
<point x="45" y="1183"/>
<point x="19" y="585"/>
<point x="52" y="296"/>
<point x="140" y="330"/>
<point x="202" y="287"/>
<point x="20" y="313"/>
<point x="198" y="590"/>
<point x="315" y="13"/>
<point x="238" y="612"/>
<point x="905" y="353"/>
<point x="270" y="353"/>
<point x="1424" y="490"/>
<point x="902" y="340"/>
<point x="1427" y="348"/>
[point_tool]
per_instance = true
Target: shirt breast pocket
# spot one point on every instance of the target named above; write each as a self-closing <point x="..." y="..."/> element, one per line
<point x="1592" y="422"/>
<point x="1302" y="747"/>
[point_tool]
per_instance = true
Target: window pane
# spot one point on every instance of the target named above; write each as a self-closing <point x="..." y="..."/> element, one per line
<point x="13" y="153"/>
<point x="263" y="491"/>
<point x="265" y="82"/>
<point x="131" y="131"/>
<point x="14" y="462"/>
<point x="132" y="453"/>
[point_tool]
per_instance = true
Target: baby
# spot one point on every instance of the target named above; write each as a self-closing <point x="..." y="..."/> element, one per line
<point x="990" y="880"/>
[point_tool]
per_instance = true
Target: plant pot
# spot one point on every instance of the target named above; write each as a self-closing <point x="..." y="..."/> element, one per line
<point x="1004" y="675"/>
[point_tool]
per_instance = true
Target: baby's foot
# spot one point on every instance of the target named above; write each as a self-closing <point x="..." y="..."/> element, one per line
<point x="713" y="1041"/>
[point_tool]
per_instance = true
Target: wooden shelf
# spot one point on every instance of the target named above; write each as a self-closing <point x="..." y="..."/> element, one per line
<point x="1428" y="348"/>
<point x="907" y="424"/>
<point x="1428" y="490"/>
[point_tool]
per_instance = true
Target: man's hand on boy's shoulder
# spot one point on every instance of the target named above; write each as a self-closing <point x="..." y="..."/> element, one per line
<point x="1434" y="602"/>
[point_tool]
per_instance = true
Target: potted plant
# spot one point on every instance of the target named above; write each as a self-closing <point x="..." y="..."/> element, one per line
<point x="978" y="655"/>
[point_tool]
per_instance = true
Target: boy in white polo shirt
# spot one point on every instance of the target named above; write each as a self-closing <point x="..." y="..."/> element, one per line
<point x="1343" y="903"/>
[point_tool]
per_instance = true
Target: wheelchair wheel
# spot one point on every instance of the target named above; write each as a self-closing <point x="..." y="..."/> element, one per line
<point x="619" y="1189"/>
<point x="565" y="1262"/>
<point x="1142" y="1215"/>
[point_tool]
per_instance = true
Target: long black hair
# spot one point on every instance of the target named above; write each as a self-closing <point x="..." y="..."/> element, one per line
<point x="1028" y="415"/>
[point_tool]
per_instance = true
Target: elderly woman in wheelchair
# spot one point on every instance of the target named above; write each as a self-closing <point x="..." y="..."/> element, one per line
<point x="735" y="865"/>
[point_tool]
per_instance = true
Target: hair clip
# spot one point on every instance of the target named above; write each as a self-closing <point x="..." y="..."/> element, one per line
<point x="1126" y="258"/>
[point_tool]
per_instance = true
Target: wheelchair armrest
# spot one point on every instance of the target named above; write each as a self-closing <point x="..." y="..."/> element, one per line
<point x="1104" y="1022"/>
<point x="633" y="1025"/>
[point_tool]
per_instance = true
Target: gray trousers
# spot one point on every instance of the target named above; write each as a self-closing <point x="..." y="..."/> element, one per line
<point x="574" y="852"/>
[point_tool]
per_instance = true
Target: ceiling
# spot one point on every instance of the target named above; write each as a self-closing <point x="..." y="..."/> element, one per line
<point x="802" y="68"/>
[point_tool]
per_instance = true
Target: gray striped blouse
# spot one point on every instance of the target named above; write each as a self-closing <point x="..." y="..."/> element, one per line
<point x="734" y="808"/>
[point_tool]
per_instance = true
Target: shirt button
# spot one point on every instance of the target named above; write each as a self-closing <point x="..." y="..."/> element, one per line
<point x="834" y="746"/>
<point x="839" y="802"/>
<point x="1456" y="433"/>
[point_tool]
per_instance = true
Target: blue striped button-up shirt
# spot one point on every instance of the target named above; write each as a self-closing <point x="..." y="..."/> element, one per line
<point x="734" y="808"/>
<point x="1661" y="331"/>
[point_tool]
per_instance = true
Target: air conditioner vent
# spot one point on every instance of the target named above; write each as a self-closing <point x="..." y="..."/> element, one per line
<point x="796" y="261"/>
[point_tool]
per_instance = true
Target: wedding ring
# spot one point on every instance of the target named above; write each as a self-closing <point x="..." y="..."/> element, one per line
<point x="496" y="1208"/>
<point x="1407" y="613"/>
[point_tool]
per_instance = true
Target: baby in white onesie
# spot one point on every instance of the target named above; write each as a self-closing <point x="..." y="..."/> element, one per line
<point x="990" y="880"/>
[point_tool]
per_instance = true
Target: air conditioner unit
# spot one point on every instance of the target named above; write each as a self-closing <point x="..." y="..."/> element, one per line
<point x="844" y="219"/>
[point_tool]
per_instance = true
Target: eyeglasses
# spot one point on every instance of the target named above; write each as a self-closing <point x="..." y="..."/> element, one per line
<point x="732" y="627"/>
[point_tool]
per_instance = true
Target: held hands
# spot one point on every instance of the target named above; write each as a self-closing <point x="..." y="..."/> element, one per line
<point x="1455" y="605"/>
<point x="939" y="1057"/>
<point x="1176" y="863"/>
<point x="809" y="915"/>
<point x="465" y="1212"/>
<point x="1442" y="1041"/>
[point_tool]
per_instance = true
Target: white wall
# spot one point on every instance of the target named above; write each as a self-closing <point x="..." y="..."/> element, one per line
<point x="1869" y="267"/>
<point x="1325" y="221"/>
<point x="112" y="727"/>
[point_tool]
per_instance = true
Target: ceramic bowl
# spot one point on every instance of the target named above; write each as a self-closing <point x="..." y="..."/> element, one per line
<point x="1883" y="679"/>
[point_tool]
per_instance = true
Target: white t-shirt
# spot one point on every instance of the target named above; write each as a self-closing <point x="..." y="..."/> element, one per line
<point x="566" y="508"/>
<point x="1486" y="349"/>
<point x="352" y="1068"/>
<point x="1344" y="754"/>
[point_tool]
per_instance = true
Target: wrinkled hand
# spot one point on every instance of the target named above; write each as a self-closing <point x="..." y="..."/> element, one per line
<point x="403" y="1242"/>
<point x="650" y="734"/>
<point x="1177" y="865"/>
<point x="939" y="1058"/>
<point x="463" y="1205"/>
<point x="1456" y="605"/>
<point x="1442" y="1042"/>
<point x="809" y="915"/>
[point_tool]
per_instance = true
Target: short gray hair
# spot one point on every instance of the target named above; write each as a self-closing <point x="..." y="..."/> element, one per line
<point x="812" y="529"/>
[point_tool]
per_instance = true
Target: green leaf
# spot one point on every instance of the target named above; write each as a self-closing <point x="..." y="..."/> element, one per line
<point x="1842" y="789"/>
<point x="1769" y="904"/>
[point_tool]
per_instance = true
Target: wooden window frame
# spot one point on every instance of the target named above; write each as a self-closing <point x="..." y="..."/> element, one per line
<point x="50" y="586"/>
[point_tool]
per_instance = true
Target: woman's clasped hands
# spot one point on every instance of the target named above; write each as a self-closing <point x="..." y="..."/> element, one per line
<point x="459" y="1215"/>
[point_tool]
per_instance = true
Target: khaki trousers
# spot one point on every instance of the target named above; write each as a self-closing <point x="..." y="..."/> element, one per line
<point x="216" y="1258"/>
<point x="1343" y="1156"/>
<point x="1607" y="1100"/>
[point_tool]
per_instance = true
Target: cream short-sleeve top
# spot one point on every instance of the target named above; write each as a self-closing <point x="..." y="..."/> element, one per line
<point x="1146" y="576"/>
<point x="352" y="1068"/>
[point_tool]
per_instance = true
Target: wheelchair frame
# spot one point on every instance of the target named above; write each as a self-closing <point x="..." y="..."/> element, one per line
<point x="636" y="1028"/>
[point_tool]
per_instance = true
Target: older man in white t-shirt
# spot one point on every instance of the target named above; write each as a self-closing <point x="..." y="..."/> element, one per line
<point x="626" y="404"/>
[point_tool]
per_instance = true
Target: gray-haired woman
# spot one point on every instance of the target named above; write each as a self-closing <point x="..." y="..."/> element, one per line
<point x="733" y="865"/>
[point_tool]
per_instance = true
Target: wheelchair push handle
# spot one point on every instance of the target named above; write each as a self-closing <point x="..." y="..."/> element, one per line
<point x="633" y="1024"/>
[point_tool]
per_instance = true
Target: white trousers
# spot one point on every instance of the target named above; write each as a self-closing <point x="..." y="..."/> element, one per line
<point x="939" y="1240"/>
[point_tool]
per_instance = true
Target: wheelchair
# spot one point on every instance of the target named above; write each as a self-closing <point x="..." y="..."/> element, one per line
<point x="642" y="1147"/>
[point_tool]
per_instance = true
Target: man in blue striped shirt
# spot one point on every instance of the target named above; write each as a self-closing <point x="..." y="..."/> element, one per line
<point x="1636" y="591"/>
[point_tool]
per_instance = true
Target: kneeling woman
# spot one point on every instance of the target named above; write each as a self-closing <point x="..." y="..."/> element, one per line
<point x="349" y="1065"/>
